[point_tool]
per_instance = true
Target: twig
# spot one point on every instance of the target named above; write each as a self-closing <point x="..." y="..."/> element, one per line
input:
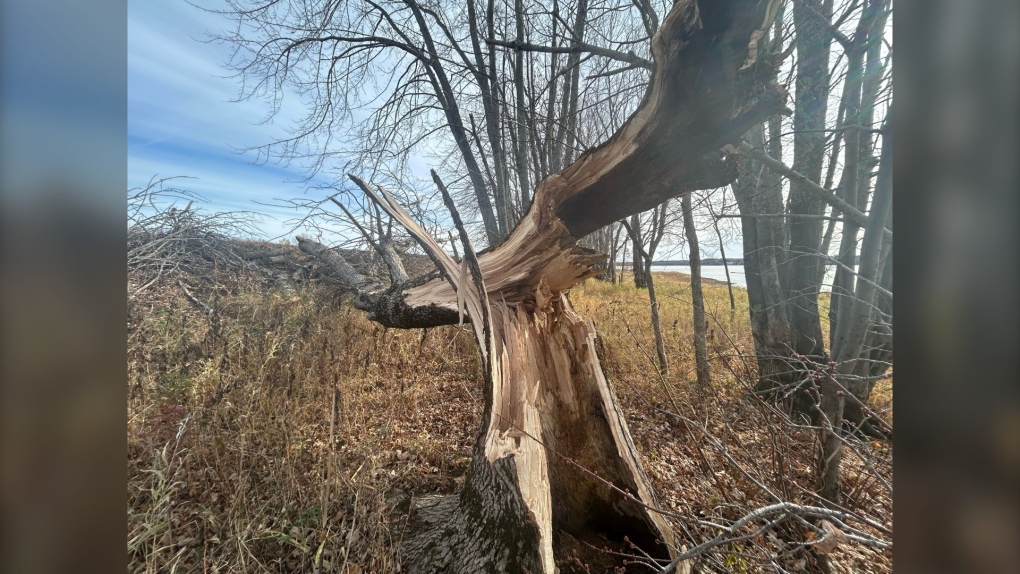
<point x="209" y="310"/>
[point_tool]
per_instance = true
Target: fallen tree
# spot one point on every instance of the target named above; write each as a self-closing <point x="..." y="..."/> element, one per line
<point x="554" y="459"/>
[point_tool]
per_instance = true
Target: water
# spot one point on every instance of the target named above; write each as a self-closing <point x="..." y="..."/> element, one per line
<point x="718" y="272"/>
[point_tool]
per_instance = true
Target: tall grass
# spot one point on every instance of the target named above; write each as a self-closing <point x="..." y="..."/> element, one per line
<point x="290" y="434"/>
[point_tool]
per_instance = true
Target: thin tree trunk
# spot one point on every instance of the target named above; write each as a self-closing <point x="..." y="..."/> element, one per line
<point x="549" y="148"/>
<point x="768" y="305"/>
<point x="722" y="254"/>
<point x="660" y="345"/>
<point x="521" y="110"/>
<point x="853" y="190"/>
<point x="614" y="273"/>
<point x="444" y="92"/>
<point x="574" y="64"/>
<point x="493" y="124"/>
<point x="879" y="341"/>
<point x="623" y="261"/>
<point x="697" y="298"/>
<point x="812" y="92"/>
<point x="853" y="361"/>
<point x="726" y="269"/>
<point x="640" y="272"/>
<point x="647" y="256"/>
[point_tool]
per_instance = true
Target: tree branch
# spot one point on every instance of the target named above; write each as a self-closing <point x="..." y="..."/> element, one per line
<point x="579" y="47"/>
<point x="384" y="247"/>
<point x="348" y="276"/>
<point x="849" y="211"/>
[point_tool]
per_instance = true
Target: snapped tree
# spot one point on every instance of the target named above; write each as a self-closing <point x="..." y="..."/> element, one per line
<point x="554" y="458"/>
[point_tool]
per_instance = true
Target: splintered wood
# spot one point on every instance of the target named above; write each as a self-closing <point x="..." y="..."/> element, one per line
<point x="556" y="438"/>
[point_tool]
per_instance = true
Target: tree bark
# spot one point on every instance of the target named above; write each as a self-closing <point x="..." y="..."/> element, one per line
<point x="859" y="106"/>
<point x="853" y="361"/>
<point x="521" y="111"/>
<point x="444" y="92"/>
<point x="849" y="363"/>
<point x="722" y="254"/>
<point x="647" y="256"/>
<point x="613" y="253"/>
<point x="660" y="345"/>
<point x="485" y="78"/>
<point x="568" y="131"/>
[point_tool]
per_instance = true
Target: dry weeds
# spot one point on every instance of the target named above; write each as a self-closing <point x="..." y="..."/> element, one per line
<point x="289" y="433"/>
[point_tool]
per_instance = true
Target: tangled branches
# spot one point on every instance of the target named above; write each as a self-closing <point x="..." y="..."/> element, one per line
<point x="165" y="240"/>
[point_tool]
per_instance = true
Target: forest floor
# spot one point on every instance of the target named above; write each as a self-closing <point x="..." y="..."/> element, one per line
<point x="287" y="433"/>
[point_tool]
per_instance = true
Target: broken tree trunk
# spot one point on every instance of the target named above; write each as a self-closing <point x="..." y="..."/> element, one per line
<point x="554" y="461"/>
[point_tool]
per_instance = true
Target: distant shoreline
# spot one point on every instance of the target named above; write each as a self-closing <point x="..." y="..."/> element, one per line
<point x="710" y="262"/>
<point x="678" y="262"/>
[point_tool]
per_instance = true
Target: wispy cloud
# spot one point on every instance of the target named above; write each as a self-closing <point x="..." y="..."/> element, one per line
<point x="182" y="120"/>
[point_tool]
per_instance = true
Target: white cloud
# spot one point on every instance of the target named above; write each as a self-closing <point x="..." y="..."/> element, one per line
<point x="182" y="120"/>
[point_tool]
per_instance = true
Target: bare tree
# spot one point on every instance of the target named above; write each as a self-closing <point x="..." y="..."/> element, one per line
<point x="722" y="246"/>
<point x="786" y="243"/>
<point x="645" y="246"/>
<point x="479" y="87"/>
<point x="553" y="452"/>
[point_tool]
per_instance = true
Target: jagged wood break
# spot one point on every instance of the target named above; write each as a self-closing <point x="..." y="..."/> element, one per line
<point x="549" y="411"/>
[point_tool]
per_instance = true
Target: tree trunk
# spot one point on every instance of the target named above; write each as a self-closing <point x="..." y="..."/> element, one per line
<point x="850" y="366"/>
<point x="859" y="107"/>
<point x="623" y="263"/>
<point x="444" y="91"/>
<point x="763" y="237"/>
<point x="722" y="255"/>
<point x="568" y="128"/>
<point x="853" y="362"/>
<point x="653" y="299"/>
<point x="613" y="253"/>
<point x="697" y="298"/>
<point x="646" y="255"/>
<point x="880" y="340"/>
<point x="490" y="103"/>
<point x="521" y="111"/>
<point x="551" y="422"/>
<point x="812" y="92"/>
<point x="640" y="269"/>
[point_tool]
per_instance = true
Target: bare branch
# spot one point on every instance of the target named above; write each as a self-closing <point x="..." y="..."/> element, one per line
<point x="849" y="211"/>
<point x="580" y="47"/>
<point x="351" y="279"/>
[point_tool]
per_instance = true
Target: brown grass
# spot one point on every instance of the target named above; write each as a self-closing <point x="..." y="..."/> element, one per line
<point x="238" y="462"/>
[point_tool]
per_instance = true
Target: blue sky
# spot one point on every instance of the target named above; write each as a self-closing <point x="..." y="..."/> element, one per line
<point x="182" y="120"/>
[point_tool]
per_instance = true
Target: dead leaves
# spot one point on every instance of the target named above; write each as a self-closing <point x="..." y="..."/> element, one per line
<point x="830" y="538"/>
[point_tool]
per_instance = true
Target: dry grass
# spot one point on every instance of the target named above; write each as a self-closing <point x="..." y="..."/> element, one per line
<point x="238" y="461"/>
<point x="693" y="477"/>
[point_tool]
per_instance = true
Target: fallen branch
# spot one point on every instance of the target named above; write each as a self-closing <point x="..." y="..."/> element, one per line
<point x="209" y="310"/>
